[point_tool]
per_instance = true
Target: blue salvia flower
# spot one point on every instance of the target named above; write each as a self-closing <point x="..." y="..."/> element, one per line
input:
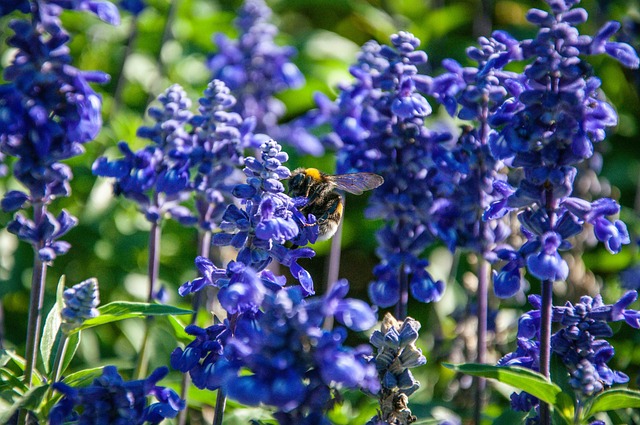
<point x="135" y="7"/>
<point x="379" y="120"/>
<point x="47" y="112"/>
<point x="258" y="230"/>
<point x="474" y="94"/>
<point x="219" y="138"/>
<point x="103" y="9"/>
<point x="579" y="343"/>
<point x="255" y="68"/>
<point x="281" y="356"/>
<point x="111" y="400"/>
<point x="4" y="170"/>
<point x="157" y="177"/>
<point x="80" y="303"/>
<point x="549" y="125"/>
<point x="396" y="354"/>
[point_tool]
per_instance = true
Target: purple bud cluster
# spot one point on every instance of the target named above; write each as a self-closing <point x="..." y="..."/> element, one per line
<point x="220" y="136"/>
<point x="110" y="399"/>
<point x="549" y="125"/>
<point x="80" y="303"/>
<point x="279" y="355"/>
<point x="255" y="68"/>
<point x="157" y="177"/>
<point x="579" y="343"/>
<point x="396" y="354"/>
<point x="47" y="112"/>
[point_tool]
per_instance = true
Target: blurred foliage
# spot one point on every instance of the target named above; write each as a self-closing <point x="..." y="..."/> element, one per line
<point x="169" y="43"/>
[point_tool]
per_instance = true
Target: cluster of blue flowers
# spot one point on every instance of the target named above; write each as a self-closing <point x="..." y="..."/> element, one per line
<point x="272" y="330"/>
<point x="547" y="127"/>
<point x="280" y="355"/>
<point x="111" y="400"/>
<point x="259" y="230"/>
<point x="157" y="177"/>
<point x="255" y="68"/>
<point x="474" y="94"/>
<point x="378" y="120"/>
<point x="578" y="343"/>
<point x="47" y="112"/>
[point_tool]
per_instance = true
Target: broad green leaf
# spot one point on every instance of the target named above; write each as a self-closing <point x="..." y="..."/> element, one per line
<point x="121" y="310"/>
<point x="614" y="399"/>
<point x="30" y="400"/>
<point x="51" y="332"/>
<point x="525" y="379"/>
<point x="178" y="330"/>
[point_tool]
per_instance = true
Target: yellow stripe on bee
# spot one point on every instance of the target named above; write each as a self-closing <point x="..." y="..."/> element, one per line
<point x="339" y="208"/>
<point x="314" y="173"/>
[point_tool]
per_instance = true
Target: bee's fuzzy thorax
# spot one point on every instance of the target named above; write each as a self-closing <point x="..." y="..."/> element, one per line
<point x="314" y="173"/>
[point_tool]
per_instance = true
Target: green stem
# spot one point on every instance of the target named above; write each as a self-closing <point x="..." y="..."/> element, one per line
<point x="59" y="360"/>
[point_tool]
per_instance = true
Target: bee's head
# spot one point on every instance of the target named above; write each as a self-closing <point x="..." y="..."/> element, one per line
<point x="302" y="179"/>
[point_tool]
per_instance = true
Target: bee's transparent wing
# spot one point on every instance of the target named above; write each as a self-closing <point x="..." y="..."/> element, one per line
<point x="356" y="183"/>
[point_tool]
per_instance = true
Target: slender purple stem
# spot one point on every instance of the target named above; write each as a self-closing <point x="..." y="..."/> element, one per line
<point x="36" y="301"/>
<point x="403" y="303"/>
<point x="221" y="402"/>
<point x="333" y="266"/>
<point x="204" y="250"/>
<point x="153" y="269"/>
<point x="545" y="343"/>
<point x="333" y="269"/>
<point x="484" y="270"/>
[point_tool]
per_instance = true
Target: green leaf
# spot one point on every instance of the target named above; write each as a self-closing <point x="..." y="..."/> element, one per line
<point x="614" y="399"/>
<point x="51" y="332"/>
<point x="121" y="310"/>
<point x="178" y="331"/>
<point x="21" y="362"/>
<point x="82" y="377"/>
<point x="565" y="403"/>
<point x="73" y="341"/>
<point x="525" y="379"/>
<point x="30" y="400"/>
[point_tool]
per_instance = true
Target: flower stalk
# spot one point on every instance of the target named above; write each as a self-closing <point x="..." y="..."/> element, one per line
<point x="153" y="271"/>
<point x="35" y="302"/>
<point x="545" y="343"/>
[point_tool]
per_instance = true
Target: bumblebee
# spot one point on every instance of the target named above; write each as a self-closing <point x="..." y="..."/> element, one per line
<point x="322" y="199"/>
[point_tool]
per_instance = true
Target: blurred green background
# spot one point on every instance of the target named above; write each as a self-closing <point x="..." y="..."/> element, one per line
<point x="171" y="45"/>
